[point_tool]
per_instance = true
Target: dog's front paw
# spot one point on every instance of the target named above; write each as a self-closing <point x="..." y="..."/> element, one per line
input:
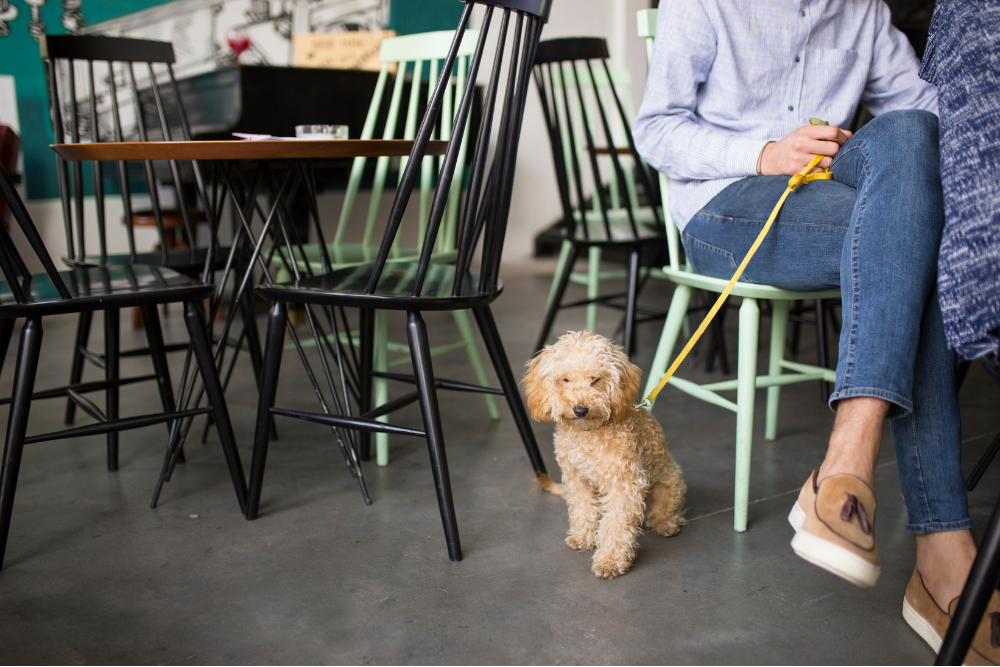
<point x="584" y="542"/>
<point x="609" y="566"/>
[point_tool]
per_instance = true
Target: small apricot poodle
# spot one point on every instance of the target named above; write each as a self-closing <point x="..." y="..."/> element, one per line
<point x="616" y="469"/>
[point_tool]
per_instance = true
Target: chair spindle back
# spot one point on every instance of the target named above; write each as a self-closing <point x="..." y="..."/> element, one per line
<point x="114" y="110"/>
<point x="487" y="201"/>
<point x="579" y="102"/>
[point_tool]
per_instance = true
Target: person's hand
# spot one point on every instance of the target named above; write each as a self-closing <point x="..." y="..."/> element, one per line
<point x="791" y="155"/>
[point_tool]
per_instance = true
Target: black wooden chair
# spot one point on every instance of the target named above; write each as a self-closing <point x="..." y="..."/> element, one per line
<point x="125" y="100"/>
<point x="88" y="289"/>
<point x="563" y="68"/>
<point x="421" y="285"/>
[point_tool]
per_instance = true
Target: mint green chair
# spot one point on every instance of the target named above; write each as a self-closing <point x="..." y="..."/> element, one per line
<point x="621" y="80"/>
<point x="747" y="380"/>
<point x="400" y="54"/>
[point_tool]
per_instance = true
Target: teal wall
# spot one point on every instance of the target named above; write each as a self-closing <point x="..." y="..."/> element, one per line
<point x="19" y="57"/>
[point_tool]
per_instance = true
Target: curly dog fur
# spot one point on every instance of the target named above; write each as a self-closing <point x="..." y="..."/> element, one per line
<point x="616" y="469"/>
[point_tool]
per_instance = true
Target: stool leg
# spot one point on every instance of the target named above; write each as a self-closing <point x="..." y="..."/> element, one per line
<point x="779" y="329"/>
<point x="745" y="381"/>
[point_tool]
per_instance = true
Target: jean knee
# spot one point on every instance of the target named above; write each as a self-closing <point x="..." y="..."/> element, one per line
<point x="909" y="129"/>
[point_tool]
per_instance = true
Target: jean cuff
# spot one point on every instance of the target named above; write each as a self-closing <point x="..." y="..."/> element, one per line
<point x="938" y="527"/>
<point x="901" y="407"/>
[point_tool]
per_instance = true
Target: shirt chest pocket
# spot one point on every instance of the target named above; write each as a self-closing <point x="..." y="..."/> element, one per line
<point x="831" y="83"/>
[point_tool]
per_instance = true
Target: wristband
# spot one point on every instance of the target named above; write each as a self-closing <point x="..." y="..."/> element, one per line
<point x="760" y="157"/>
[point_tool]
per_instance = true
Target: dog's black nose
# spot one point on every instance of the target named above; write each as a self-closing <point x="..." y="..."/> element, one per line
<point x="580" y="411"/>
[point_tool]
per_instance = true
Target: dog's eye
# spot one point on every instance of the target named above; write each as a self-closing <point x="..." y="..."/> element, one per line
<point x="565" y="379"/>
<point x="594" y="381"/>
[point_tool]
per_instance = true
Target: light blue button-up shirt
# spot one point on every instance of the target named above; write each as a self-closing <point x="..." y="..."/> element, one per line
<point x="727" y="76"/>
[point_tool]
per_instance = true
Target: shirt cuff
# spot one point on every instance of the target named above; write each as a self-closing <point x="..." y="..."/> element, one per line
<point x="741" y="156"/>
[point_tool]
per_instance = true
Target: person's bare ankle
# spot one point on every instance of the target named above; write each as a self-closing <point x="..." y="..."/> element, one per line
<point x="833" y="467"/>
<point x="944" y="561"/>
<point x="856" y="439"/>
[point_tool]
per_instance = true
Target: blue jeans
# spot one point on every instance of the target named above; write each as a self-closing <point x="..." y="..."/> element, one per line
<point x="873" y="231"/>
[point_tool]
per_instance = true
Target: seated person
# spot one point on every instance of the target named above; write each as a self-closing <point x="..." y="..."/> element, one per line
<point x="731" y="87"/>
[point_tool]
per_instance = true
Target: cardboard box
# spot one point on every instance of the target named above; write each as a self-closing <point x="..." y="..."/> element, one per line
<point x="340" y="50"/>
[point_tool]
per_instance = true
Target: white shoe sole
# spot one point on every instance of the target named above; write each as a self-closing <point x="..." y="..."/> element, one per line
<point x="833" y="558"/>
<point x="921" y="626"/>
<point x="797" y="517"/>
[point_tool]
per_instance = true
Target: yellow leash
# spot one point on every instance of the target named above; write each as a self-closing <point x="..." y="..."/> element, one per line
<point x="802" y="177"/>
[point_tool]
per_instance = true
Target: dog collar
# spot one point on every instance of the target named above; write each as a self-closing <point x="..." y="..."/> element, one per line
<point x="584" y="429"/>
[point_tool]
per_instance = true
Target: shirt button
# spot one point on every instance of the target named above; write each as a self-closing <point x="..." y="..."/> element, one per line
<point x="803" y="12"/>
<point x="797" y="59"/>
<point x="791" y="108"/>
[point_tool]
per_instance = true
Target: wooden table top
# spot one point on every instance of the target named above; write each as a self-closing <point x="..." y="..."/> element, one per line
<point x="267" y="149"/>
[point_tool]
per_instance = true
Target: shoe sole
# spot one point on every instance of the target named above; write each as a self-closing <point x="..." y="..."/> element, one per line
<point x="921" y="626"/>
<point x="832" y="558"/>
<point x="796" y="517"/>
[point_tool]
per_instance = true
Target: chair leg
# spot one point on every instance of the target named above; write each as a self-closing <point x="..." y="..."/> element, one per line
<point x="6" y="331"/>
<point x="593" y="285"/>
<point x="111" y="351"/>
<point x="198" y="332"/>
<point x="564" y="251"/>
<point x="975" y="596"/>
<point x="550" y="312"/>
<point x="668" y="339"/>
<point x="157" y="352"/>
<point x="488" y="329"/>
<point x="366" y="353"/>
<point x="380" y="386"/>
<point x="631" y="302"/>
<point x="779" y="331"/>
<point x="273" y="347"/>
<point x="746" y="381"/>
<point x="17" y="422"/>
<point x="476" y="361"/>
<point x="83" y="324"/>
<point x="420" y="353"/>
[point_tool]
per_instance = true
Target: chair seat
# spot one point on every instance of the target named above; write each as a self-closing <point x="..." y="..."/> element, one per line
<point x="109" y="287"/>
<point x="348" y="287"/>
<point x="688" y="276"/>
<point x="186" y="261"/>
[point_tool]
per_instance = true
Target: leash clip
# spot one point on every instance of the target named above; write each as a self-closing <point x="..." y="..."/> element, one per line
<point x="644" y="403"/>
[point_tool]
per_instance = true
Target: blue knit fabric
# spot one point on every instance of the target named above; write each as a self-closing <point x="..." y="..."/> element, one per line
<point x="963" y="60"/>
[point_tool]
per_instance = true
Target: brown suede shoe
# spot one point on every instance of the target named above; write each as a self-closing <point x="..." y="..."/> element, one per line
<point x="834" y="528"/>
<point x="931" y="622"/>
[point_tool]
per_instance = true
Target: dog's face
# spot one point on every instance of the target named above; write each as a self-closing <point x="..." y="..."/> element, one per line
<point x="584" y="380"/>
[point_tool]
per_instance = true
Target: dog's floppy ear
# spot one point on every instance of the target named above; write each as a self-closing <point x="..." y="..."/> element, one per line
<point x="538" y="388"/>
<point x="626" y="390"/>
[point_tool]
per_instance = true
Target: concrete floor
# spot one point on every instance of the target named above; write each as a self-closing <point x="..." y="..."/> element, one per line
<point x="92" y="575"/>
